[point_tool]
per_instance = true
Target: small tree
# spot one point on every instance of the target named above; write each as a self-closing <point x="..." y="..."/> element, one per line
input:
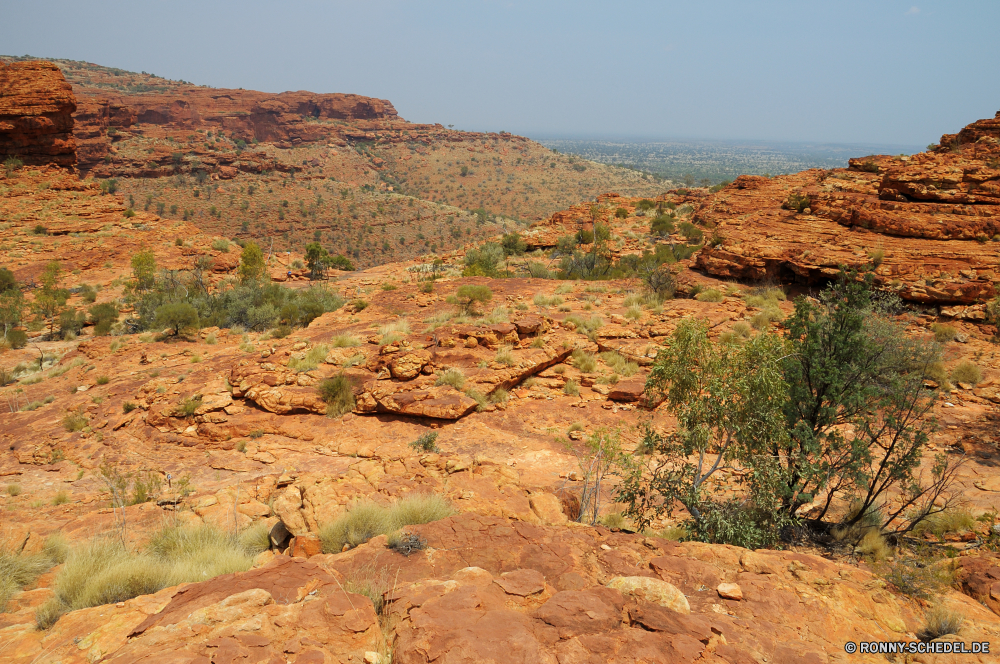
<point x="71" y="322"/>
<point x="469" y="295"/>
<point x="177" y="316"/>
<point x="103" y="316"/>
<point x="317" y="260"/>
<point x="144" y="270"/>
<point x="11" y="302"/>
<point x="513" y="244"/>
<point x="857" y="406"/>
<point x="50" y="299"/>
<point x="341" y="262"/>
<point x="728" y="402"/>
<point x="252" y="265"/>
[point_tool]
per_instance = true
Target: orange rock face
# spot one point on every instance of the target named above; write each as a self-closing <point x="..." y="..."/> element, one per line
<point x="36" y="114"/>
<point x="283" y="118"/>
<point x="931" y="222"/>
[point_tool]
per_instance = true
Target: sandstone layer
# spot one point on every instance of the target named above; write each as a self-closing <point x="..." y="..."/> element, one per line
<point x="36" y="114"/>
<point x="930" y="222"/>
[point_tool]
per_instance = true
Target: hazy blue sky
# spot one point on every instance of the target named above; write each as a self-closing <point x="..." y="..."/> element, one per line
<point x="882" y="71"/>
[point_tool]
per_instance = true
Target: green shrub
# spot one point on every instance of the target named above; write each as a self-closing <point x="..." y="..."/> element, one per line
<point x="128" y="407"/>
<point x="662" y="225"/>
<point x="937" y="373"/>
<point x="105" y="572"/>
<point x="762" y="320"/>
<point x="691" y="232"/>
<point x="102" y="380"/>
<point x="13" y="490"/>
<point x="481" y="401"/>
<point x="453" y="377"/>
<point x="710" y="295"/>
<point x="74" y="422"/>
<point x="345" y="341"/>
<point x="188" y="406"/>
<point x="338" y="393"/>
<point x="468" y="296"/>
<point x="17" y="338"/>
<point x="505" y="356"/>
<point x="103" y="316"/>
<point x="178" y="316"/>
<point x="394" y="332"/>
<point x="584" y="361"/>
<point x="310" y="360"/>
<point x="619" y="363"/>
<point x="966" y="372"/>
<point x="542" y="300"/>
<point x="944" y="333"/>
<point x="571" y="388"/>
<point x="18" y="569"/>
<point x="61" y="498"/>
<point x="426" y="442"/>
<point x="947" y="521"/>
<point x="71" y="322"/>
<point x="585" y="326"/>
<point x="366" y="519"/>
<point x="220" y="244"/>
<point x="796" y="201"/>
<point x="485" y="261"/>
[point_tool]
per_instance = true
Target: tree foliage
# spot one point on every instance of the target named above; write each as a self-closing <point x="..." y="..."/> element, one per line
<point x="728" y="401"/>
<point x="252" y="265"/>
<point x="834" y="410"/>
<point x="856" y="408"/>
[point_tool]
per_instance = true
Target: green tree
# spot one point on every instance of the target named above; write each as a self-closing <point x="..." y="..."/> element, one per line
<point x="50" y="299"/>
<point x="7" y="281"/>
<point x="728" y="401"/>
<point x="144" y="270"/>
<point x="103" y="316"/>
<point x="341" y="262"/>
<point x="469" y="295"/>
<point x="857" y="406"/>
<point x="252" y="265"/>
<point x="11" y="302"/>
<point x="317" y="260"/>
<point x="178" y="316"/>
<point x="513" y="244"/>
<point x="71" y="322"/>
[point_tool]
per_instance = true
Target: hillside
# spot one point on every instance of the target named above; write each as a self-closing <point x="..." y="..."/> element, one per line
<point x="208" y="457"/>
<point x="296" y="167"/>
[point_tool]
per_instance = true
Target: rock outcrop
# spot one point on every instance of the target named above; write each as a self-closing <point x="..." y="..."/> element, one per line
<point x="36" y="114"/>
<point x="929" y="222"/>
<point x="288" y="118"/>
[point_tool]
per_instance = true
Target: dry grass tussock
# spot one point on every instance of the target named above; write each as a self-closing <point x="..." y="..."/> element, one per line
<point x="18" y="569"/>
<point x="940" y="622"/>
<point x="310" y="359"/>
<point x="367" y="519"/>
<point x="104" y="571"/>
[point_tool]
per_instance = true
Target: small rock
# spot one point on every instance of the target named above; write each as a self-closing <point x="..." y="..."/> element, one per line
<point x="730" y="591"/>
<point x="652" y="590"/>
<point x="372" y="657"/>
<point x="304" y="546"/>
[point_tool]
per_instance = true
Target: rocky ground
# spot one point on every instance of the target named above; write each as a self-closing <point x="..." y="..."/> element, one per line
<point x="232" y="426"/>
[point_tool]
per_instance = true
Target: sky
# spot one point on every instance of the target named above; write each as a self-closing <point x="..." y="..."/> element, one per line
<point x="869" y="71"/>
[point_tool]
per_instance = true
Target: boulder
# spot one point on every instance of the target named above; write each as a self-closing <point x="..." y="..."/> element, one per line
<point x="652" y="590"/>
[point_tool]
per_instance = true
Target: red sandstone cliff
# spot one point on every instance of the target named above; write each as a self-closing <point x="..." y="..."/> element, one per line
<point x="931" y="222"/>
<point x="36" y="114"/>
<point x="285" y="119"/>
